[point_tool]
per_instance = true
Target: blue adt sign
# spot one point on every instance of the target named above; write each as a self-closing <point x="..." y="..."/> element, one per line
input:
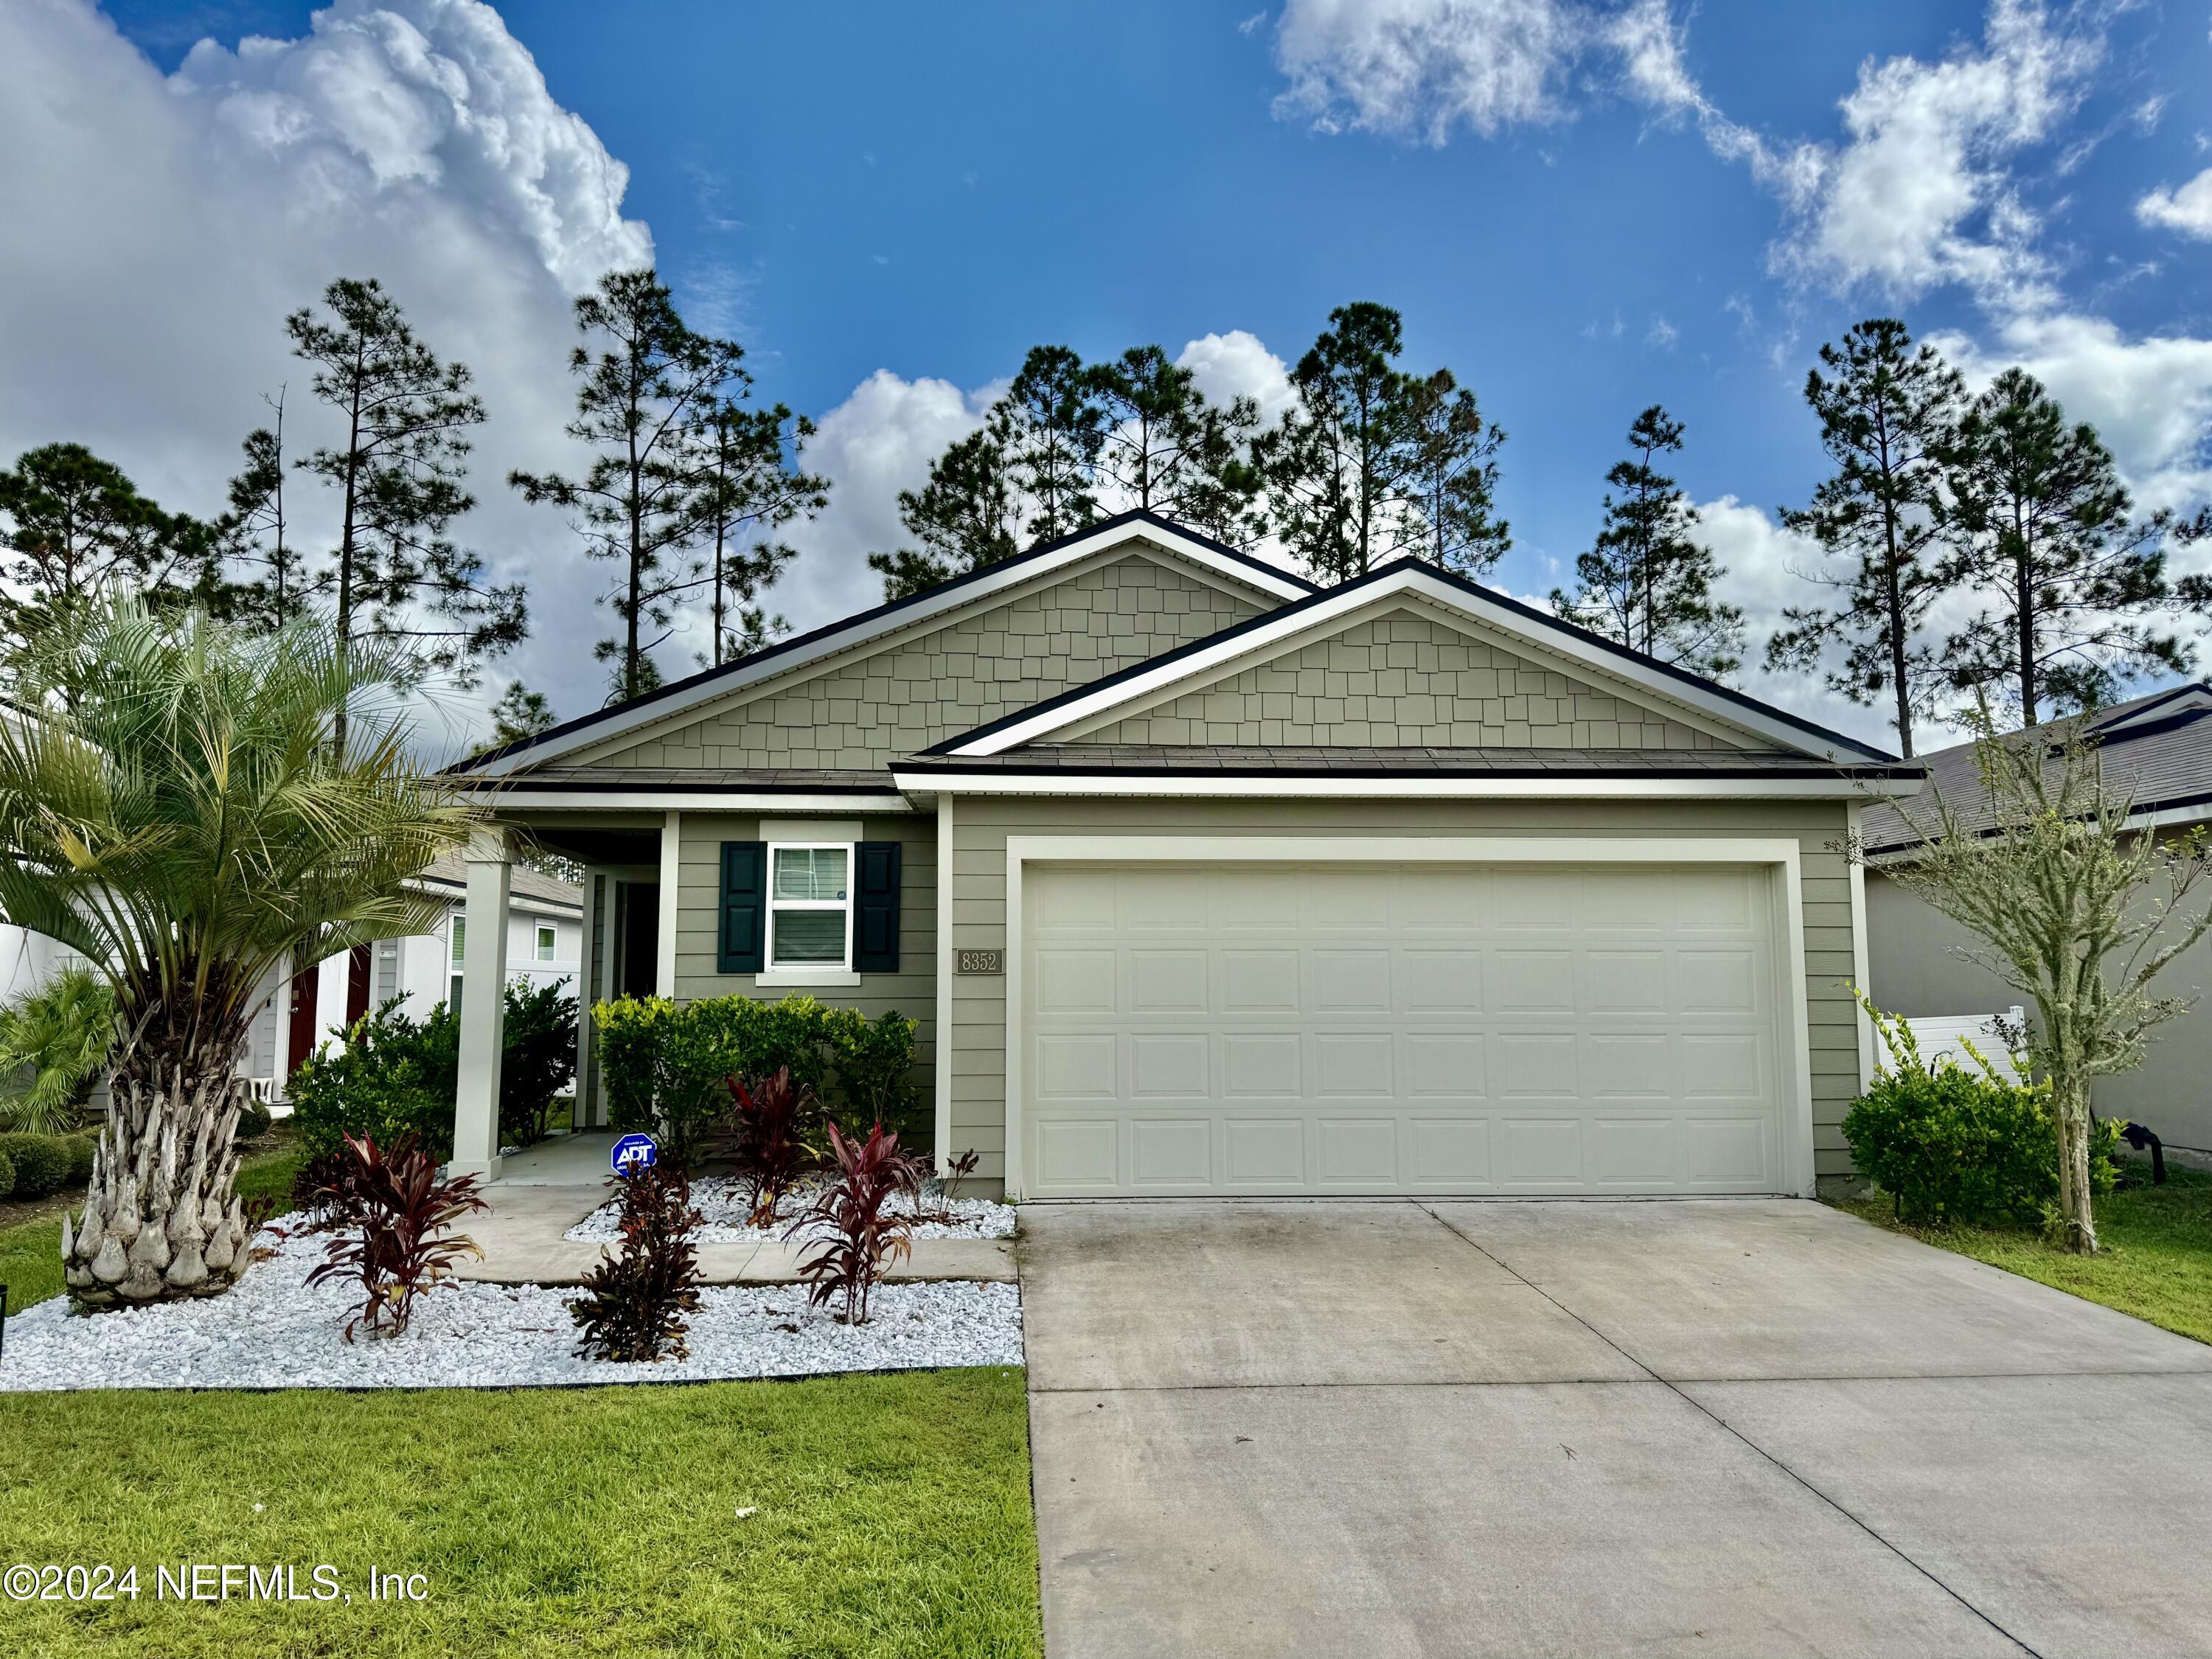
<point x="633" y="1153"/>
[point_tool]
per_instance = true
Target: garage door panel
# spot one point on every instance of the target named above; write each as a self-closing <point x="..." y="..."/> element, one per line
<point x="1170" y="1065"/>
<point x="1635" y="1153"/>
<point x="1168" y="981"/>
<point x="1533" y="982"/>
<point x="1440" y="982"/>
<point x="1263" y="1064"/>
<point x="1260" y="982"/>
<point x="1358" y="1153"/>
<point x="1354" y="1065"/>
<point x="1624" y="981"/>
<point x="1626" y="1065"/>
<point x="1542" y="1153"/>
<point x="1350" y="981"/>
<point x="1076" y="982"/>
<point x="1537" y="1065"/>
<point x="1171" y="1151"/>
<point x="1442" y="1066"/>
<point x="1267" y="1153"/>
<point x="1403" y="1028"/>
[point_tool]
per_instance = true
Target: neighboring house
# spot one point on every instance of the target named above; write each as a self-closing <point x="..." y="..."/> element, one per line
<point x="2157" y="750"/>
<point x="544" y="929"/>
<point x="1199" y="880"/>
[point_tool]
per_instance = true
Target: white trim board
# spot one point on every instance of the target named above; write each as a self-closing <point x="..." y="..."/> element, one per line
<point x="519" y="803"/>
<point x="1587" y="657"/>
<point x="1410" y="787"/>
<point x="943" y="1067"/>
<point x="1795" y="1156"/>
<point x="930" y="612"/>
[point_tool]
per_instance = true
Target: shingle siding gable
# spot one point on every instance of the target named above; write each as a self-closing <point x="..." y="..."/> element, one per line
<point x="869" y="712"/>
<point x="1403" y="681"/>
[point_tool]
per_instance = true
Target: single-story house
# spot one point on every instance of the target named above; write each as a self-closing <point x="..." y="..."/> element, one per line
<point x="1198" y="879"/>
<point x="544" y="931"/>
<point x="2157" y="750"/>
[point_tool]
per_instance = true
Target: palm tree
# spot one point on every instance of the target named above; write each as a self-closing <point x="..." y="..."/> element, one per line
<point x="178" y="804"/>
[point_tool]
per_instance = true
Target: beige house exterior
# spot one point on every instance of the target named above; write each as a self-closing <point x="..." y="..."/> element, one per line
<point x="1198" y="880"/>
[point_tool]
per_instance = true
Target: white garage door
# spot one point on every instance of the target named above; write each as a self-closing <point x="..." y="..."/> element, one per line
<point x="1401" y="1029"/>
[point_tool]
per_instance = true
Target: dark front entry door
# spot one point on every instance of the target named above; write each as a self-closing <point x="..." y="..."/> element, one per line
<point x="302" y="1038"/>
<point x="640" y="940"/>
<point x="356" y="984"/>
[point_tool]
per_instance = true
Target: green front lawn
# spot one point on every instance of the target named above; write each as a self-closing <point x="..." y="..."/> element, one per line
<point x="2156" y="1262"/>
<point x="31" y="1251"/>
<point x="890" y="1515"/>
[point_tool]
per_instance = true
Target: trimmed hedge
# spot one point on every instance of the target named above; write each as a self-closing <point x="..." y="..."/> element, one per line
<point x="81" y="1149"/>
<point x="6" y="1176"/>
<point x="41" y="1163"/>
<point x="664" y="1062"/>
<point x="1950" y="1145"/>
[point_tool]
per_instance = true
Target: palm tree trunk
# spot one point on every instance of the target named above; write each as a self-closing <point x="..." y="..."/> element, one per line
<point x="162" y="1219"/>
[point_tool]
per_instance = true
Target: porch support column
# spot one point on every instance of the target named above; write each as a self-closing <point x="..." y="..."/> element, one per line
<point x="671" y="867"/>
<point x="483" y="1005"/>
<point x="587" y="987"/>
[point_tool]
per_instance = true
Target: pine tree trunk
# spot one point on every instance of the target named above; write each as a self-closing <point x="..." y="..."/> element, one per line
<point x="2069" y="1099"/>
<point x="161" y="1219"/>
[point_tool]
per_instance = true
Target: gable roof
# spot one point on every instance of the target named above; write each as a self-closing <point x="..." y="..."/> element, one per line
<point x="898" y="615"/>
<point x="2157" y="749"/>
<point x="1224" y="651"/>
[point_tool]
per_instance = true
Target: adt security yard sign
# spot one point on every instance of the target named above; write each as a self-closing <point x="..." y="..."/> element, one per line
<point x="633" y="1153"/>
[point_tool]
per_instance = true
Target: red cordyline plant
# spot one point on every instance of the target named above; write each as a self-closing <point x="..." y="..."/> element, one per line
<point x="396" y="1246"/>
<point x="634" y="1303"/>
<point x="770" y="1156"/>
<point x="866" y="1235"/>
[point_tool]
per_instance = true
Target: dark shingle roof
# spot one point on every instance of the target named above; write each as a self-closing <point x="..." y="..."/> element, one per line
<point x="2155" y="748"/>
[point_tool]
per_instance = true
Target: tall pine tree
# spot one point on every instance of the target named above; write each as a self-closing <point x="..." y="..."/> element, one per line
<point x="1166" y="449"/>
<point x="750" y="488"/>
<point x="275" y="584"/>
<point x="1051" y="426"/>
<point x="1889" y="412"/>
<point x="967" y="516"/>
<point x="2045" y="529"/>
<point x="400" y="473"/>
<point x="1647" y="583"/>
<point x="644" y="403"/>
<point x="1453" y="483"/>
<point x="75" y="531"/>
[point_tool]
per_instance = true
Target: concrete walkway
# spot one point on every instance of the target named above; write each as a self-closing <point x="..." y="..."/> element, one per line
<point x="544" y="1192"/>
<point x="1755" y="1428"/>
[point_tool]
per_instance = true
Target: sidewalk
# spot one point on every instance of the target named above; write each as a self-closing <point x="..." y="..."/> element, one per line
<point x="522" y="1244"/>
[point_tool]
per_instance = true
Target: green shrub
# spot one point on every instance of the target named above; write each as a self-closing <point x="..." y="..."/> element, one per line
<point x="396" y="1074"/>
<point x="253" y="1119"/>
<point x="392" y="1075"/>
<point x="6" y="1175"/>
<point x="665" y="1064"/>
<point x="1950" y="1145"/>
<point x="81" y="1149"/>
<point x="538" y="1059"/>
<point x="41" y="1161"/>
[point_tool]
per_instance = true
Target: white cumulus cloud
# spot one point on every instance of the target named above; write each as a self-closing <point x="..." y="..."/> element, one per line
<point x="1421" y="68"/>
<point x="171" y="223"/>
<point x="2187" y="209"/>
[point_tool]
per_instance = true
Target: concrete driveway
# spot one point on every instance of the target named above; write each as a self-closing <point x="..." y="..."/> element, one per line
<point x="1718" y="1428"/>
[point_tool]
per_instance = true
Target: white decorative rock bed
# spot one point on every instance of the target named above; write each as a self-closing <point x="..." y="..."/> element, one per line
<point x="272" y="1331"/>
<point x="722" y="1207"/>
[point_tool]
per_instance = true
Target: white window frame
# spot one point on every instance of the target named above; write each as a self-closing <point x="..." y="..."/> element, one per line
<point x="810" y="973"/>
<point x="545" y="942"/>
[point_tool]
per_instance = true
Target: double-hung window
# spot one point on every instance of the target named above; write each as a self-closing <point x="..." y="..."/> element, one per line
<point x="545" y="938"/>
<point x="810" y="910"/>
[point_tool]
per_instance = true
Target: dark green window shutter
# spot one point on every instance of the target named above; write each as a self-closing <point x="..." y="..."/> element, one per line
<point x="875" y="908"/>
<point x="743" y="922"/>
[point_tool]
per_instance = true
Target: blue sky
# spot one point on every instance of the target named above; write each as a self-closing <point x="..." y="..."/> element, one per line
<point x="864" y="190"/>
